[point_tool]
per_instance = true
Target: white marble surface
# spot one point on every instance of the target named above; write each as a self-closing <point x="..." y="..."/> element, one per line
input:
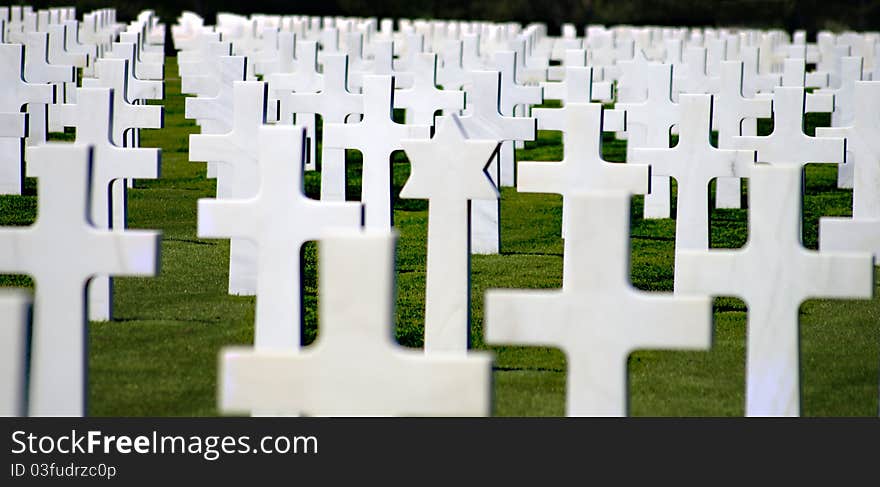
<point x="449" y="184"/>
<point x="15" y="306"/>
<point x="377" y="136"/>
<point x="597" y="318"/>
<point x="648" y="126"/>
<point x="334" y="103"/>
<point x="15" y="93"/>
<point x="237" y="151"/>
<point x="58" y="353"/>
<point x="278" y="218"/>
<point x="513" y="96"/>
<point x="355" y="367"/>
<point x="693" y="162"/>
<point x="774" y="274"/>
<point x="305" y="77"/>
<point x="485" y="121"/>
<point x="213" y="107"/>
<point x="788" y="145"/>
<point x="582" y="167"/>
<point x="37" y="69"/>
<point x="423" y="98"/>
<point x="862" y="231"/>
<point x="92" y="118"/>
<point x="845" y="102"/>
<point x="734" y="115"/>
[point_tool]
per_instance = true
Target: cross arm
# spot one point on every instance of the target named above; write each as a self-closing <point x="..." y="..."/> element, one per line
<point x="682" y="321"/>
<point x="148" y="116"/>
<point x="13" y="124"/>
<point x="842" y="275"/>
<point x="209" y="147"/>
<point x="227" y="218"/>
<point x="819" y="102"/>
<point x="139" y="163"/>
<point x="708" y="272"/>
<point x="125" y="253"/>
<point x="663" y="162"/>
<point x="613" y="120"/>
<point x="550" y="118"/>
<point x="526" y="317"/>
<point x="541" y="177"/>
<point x="602" y="91"/>
<point x="345" y="136"/>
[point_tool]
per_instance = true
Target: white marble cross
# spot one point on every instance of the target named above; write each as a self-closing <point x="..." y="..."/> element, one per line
<point x="278" y="218"/>
<point x="862" y="231"/>
<point x="92" y="118"/>
<point x="754" y="81"/>
<point x="377" y="136"/>
<point x="485" y="121"/>
<point x="694" y="77"/>
<point x="451" y="73"/>
<point x="305" y="78"/>
<point x="449" y="184"/>
<point x="788" y="145"/>
<point x="693" y="162"/>
<point x="845" y="106"/>
<point x="383" y="63"/>
<point x="334" y="103"/>
<point x="61" y="252"/>
<point x="597" y="318"/>
<point x="734" y="115"/>
<point x="423" y="99"/>
<point x="138" y="89"/>
<point x="15" y="307"/>
<point x="575" y="86"/>
<point x="355" y="366"/>
<point x="214" y="112"/>
<point x="582" y="167"/>
<point x="113" y="73"/>
<point x="238" y="151"/>
<point x="57" y="54"/>
<point x="632" y="87"/>
<point x="513" y="95"/>
<point x="774" y="274"/>
<point x="38" y="70"/>
<point x="15" y="93"/>
<point x="653" y="118"/>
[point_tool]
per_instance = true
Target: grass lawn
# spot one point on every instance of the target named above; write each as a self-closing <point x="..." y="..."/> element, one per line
<point x="159" y="356"/>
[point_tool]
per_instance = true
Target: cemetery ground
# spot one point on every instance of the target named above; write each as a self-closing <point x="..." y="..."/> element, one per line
<point x="158" y="357"/>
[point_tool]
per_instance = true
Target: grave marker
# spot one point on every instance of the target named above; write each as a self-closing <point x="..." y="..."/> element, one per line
<point x="278" y="218"/>
<point x="15" y="94"/>
<point x="654" y="117"/>
<point x="334" y="103"/>
<point x="582" y="167"/>
<point x="423" y="99"/>
<point x="377" y="136"/>
<point x="58" y="357"/>
<point x="485" y="121"/>
<point x="355" y="367"/>
<point x="693" y="162"/>
<point x="597" y="318"/>
<point x="15" y="309"/>
<point x="91" y="116"/>
<point x="238" y="151"/>
<point x="449" y="184"/>
<point x="774" y="274"/>
<point x="788" y="145"/>
<point x="862" y="231"/>
<point x="734" y="115"/>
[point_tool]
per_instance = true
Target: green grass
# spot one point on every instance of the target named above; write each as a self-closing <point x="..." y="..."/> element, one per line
<point x="159" y="357"/>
